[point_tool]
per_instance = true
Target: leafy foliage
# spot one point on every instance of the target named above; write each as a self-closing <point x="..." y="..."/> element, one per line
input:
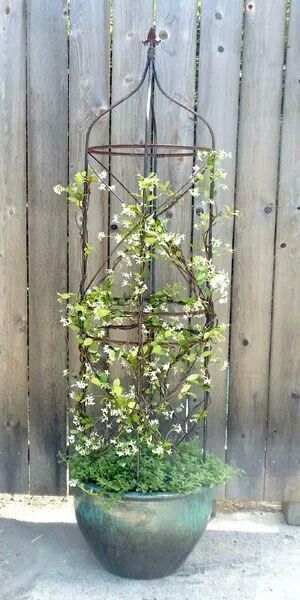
<point x="143" y="418"/>
<point x="184" y="471"/>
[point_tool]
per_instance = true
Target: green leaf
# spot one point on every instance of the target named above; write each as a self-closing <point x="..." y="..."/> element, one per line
<point x="184" y="390"/>
<point x="103" y="377"/>
<point x="103" y="312"/>
<point x="156" y="349"/>
<point x="117" y="388"/>
<point x="193" y="377"/>
<point x="150" y="240"/>
<point x="88" y="341"/>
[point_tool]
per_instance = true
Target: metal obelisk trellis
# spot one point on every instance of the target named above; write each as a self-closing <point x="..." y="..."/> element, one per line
<point x="151" y="151"/>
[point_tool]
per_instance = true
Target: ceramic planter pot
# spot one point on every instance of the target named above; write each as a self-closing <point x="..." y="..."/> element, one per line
<point x="143" y="536"/>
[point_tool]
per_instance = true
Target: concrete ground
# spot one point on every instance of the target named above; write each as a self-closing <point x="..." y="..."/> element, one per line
<point x="242" y="556"/>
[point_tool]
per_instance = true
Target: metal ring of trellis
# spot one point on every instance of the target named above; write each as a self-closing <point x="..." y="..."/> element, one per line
<point x="150" y="151"/>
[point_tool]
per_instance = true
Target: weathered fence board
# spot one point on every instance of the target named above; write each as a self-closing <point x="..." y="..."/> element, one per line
<point x="47" y="237"/>
<point x="69" y="80"/>
<point x="130" y="26"/>
<point x="88" y="94"/>
<point x="258" y="146"/>
<point x="177" y="27"/>
<point x="13" y="310"/>
<point x="283" y="443"/>
<point x="218" y="93"/>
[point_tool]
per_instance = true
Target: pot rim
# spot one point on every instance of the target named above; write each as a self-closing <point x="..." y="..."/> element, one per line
<point x="153" y="496"/>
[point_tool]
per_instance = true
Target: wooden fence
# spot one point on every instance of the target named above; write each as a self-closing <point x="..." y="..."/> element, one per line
<point x="243" y="63"/>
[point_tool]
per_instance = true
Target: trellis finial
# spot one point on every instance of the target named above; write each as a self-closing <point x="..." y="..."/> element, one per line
<point x="152" y="39"/>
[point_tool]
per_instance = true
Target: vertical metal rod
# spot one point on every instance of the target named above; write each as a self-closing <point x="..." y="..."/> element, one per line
<point x="154" y="169"/>
<point x="206" y="361"/>
<point x="148" y="133"/>
<point x="148" y="120"/>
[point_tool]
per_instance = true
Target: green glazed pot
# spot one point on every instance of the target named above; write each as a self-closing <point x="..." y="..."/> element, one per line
<point x="143" y="536"/>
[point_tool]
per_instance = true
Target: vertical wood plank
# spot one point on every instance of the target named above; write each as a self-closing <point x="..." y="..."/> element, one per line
<point x="283" y="447"/>
<point x="131" y="23"/>
<point x="88" y="93"/>
<point x="218" y="94"/>
<point x="13" y="310"/>
<point x="258" y="147"/>
<point x="176" y="70"/>
<point x="175" y="64"/>
<point x="48" y="165"/>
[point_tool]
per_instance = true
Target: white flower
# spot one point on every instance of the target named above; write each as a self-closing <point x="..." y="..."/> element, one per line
<point x="73" y="482"/>
<point x="126" y="448"/>
<point x="65" y="372"/>
<point x="101" y="235"/>
<point x="127" y="209"/>
<point x="101" y="187"/>
<point x="118" y="238"/>
<point x="115" y="219"/>
<point x="178" y="239"/>
<point x="206" y="380"/>
<point x="201" y="154"/>
<point x="65" y="322"/>
<point x="225" y="365"/>
<point x="168" y="414"/>
<point x="195" y="192"/>
<point x="222" y="154"/>
<point x="128" y="261"/>
<point x="81" y="384"/>
<point x="71" y="439"/>
<point x="177" y="428"/>
<point x="58" y="189"/>
<point x="219" y="283"/>
<point x="103" y="175"/>
<point x="159" y="450"/>
<point x="89" y="400"/>
<point x="216" y="243"/>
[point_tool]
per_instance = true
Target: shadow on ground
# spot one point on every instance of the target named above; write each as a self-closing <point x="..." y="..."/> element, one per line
<point x="254" y="557"/>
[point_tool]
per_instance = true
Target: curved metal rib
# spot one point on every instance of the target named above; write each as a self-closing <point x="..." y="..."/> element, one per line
<point x="190" y="110"/>
<point x="113" y="106"/>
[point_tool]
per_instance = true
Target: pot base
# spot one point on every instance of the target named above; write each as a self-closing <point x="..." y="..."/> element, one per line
<point x="143" y="536"/>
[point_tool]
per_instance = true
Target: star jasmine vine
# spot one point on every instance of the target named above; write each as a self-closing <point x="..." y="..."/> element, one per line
<point x="161" y="397"/>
